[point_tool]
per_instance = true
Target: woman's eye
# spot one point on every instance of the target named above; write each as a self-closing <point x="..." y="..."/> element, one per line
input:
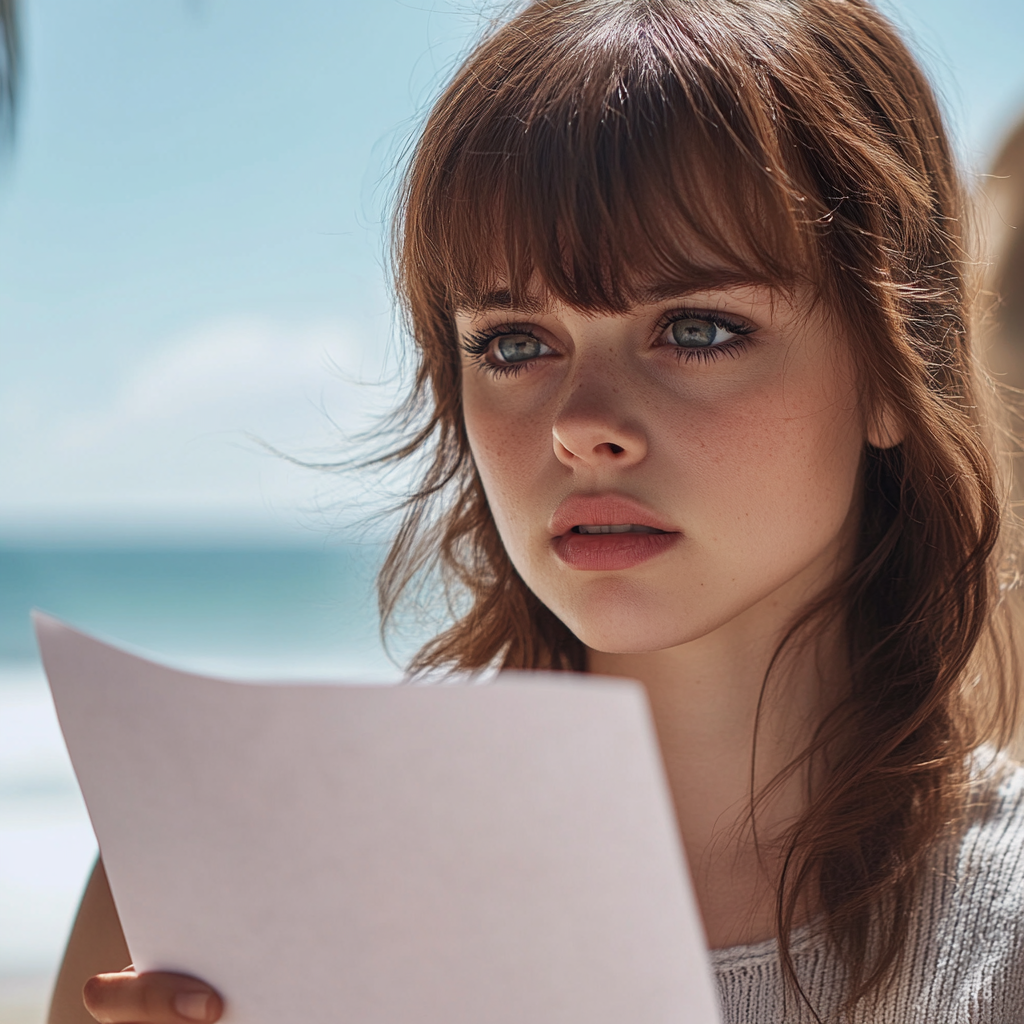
<point x="518" y="348"/>
<point x="693" y="333"/>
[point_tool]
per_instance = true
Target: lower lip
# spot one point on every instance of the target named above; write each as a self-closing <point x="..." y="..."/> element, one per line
<point x="606" y="551"/>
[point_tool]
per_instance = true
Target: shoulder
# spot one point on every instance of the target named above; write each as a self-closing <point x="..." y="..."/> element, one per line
<point x="964" y="954"/>
<point x="979" y="869"/>
<point x="970" y="924"/>
<point x="991" y="840"/>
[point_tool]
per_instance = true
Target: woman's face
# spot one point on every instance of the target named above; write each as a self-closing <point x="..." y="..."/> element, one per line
<point x="656" y="476"/>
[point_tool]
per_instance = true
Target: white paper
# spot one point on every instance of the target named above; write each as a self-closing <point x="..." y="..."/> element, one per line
<point x="346" y="854"/>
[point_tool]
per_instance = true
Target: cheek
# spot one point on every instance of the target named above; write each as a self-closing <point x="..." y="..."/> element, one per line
<point x="508" y="451"/>
<point x="780" y="467"/>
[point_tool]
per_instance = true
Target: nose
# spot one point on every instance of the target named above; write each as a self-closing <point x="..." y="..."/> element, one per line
<point x="592" y="430"/>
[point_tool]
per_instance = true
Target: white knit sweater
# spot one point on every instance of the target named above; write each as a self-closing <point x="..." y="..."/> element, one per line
<point x="964" y="961"/>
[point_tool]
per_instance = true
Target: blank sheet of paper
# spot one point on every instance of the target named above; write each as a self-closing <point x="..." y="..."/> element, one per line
<point x="346" y="854"/>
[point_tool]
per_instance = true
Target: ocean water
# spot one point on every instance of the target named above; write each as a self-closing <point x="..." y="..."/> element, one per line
<point x="260" y="613"/>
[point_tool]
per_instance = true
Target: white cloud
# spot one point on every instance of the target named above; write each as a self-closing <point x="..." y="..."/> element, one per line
<point x="176" y="437"/>
<point x="244" y="375"/>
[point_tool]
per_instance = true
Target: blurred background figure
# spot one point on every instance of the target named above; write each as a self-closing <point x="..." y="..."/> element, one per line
<point x="191" y="251"/>
<point x="1002" y="216"/>
<point x="1001" y="222"/>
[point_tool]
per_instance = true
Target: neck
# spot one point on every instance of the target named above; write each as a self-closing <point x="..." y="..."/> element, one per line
<point x="708" y="697"/>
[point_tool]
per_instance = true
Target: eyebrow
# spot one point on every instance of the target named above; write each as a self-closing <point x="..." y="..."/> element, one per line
<point x="503" y="300"/>
<point x="715" y="279"/>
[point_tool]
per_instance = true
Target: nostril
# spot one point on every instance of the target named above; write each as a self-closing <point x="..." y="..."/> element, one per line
<point x="615" y="448"/>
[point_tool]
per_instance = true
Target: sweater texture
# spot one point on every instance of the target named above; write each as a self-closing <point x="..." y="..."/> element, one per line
<point x="964" y="961"/>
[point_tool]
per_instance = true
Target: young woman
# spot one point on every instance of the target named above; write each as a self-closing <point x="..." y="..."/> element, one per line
<point x="688" y="281"/>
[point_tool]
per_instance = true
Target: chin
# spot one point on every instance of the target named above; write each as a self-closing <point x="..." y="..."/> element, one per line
<point x="629" y="641"/>
<point x="622" y="629"/>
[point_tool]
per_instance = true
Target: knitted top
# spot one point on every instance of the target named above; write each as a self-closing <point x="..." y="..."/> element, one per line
<point x="964" y="960"/>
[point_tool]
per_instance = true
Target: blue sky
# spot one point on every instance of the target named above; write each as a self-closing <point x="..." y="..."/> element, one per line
<point x="191" y="240"/>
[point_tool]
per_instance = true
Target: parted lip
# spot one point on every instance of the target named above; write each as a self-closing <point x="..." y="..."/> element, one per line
<point x="604" y="510"/>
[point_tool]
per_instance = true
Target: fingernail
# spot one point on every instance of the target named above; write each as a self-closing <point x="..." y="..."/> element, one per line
<point x="193" y="1005"/>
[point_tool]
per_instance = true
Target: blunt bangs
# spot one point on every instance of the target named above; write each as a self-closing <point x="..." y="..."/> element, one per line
<point x="650" y="163"/>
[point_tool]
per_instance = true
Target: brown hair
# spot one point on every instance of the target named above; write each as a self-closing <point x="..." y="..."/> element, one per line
<point x="601" y="147"/>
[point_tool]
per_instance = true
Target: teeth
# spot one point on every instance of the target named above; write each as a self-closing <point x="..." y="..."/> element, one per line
<point x="618" y="528"/>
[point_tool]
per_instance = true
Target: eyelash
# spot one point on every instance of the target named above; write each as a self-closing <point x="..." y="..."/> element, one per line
<point x="478" y="344"/>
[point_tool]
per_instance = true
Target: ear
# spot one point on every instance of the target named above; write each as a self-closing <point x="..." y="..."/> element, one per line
<point x="885" y="429"/>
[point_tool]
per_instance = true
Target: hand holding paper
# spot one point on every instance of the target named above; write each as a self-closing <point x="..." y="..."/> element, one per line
<point x="414" y="854"/>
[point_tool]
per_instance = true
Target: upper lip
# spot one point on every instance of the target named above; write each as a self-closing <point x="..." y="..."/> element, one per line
<point x="604" y="510"/>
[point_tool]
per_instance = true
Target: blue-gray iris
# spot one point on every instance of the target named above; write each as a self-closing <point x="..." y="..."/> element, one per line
<point x="514" y="348"/>
<point x="694" y="333"/>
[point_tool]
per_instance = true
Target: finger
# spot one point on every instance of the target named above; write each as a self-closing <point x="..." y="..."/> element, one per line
<point x="154" y="998"/>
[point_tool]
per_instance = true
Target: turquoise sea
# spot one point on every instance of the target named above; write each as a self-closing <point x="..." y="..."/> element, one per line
<point x="257" y="612"/>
